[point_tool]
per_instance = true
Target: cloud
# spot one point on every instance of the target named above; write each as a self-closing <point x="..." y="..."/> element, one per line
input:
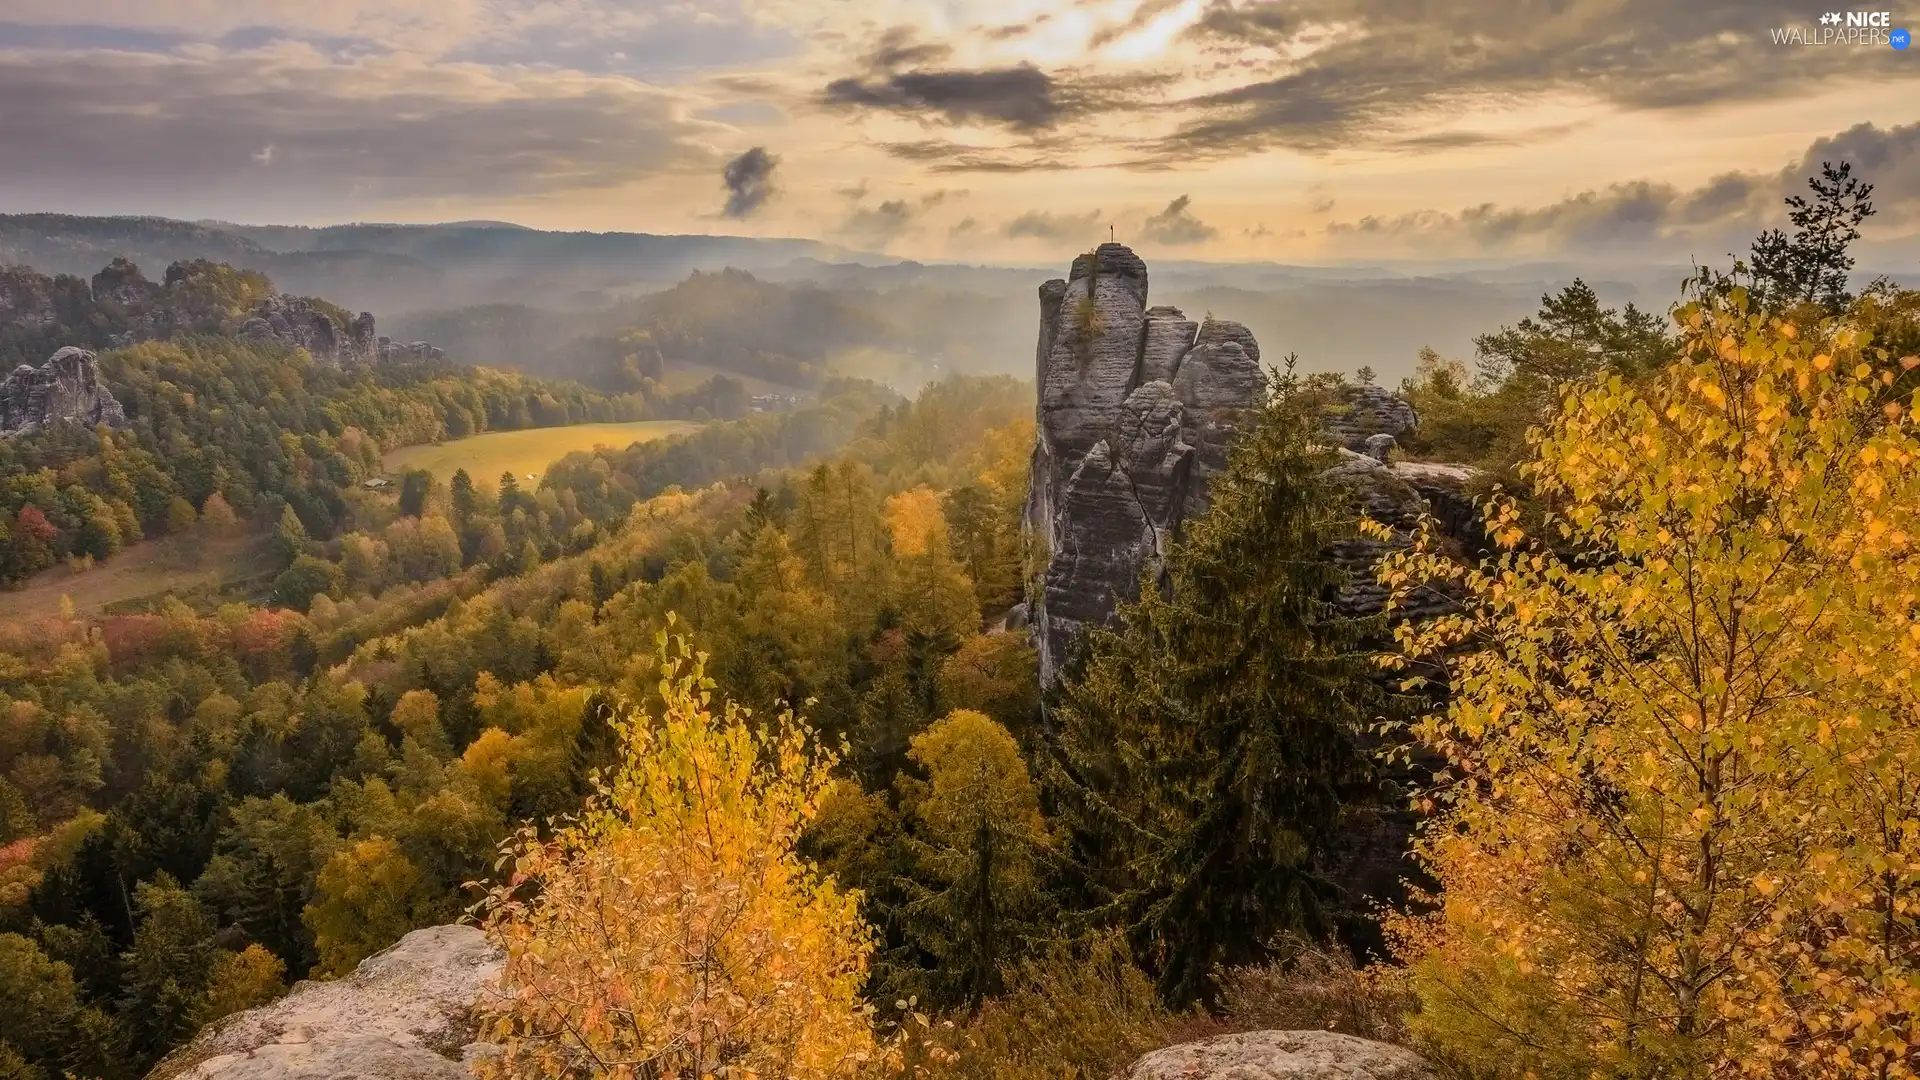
<point x="941" y="156"/>
<point x="749" y="180"/>
<point x="1177" y="225"/>
<point x="1337" y="73"/>
<point x="1021" y="97"/>
<point x="882" y="223"/>
<point x="963" y="227"/>
<point x="897" y="48"/>
<point x="103" y="124"/>
<point x="1719" y="216"/>
<point x="1040" y="225"/>
<point x="879" y="225"/>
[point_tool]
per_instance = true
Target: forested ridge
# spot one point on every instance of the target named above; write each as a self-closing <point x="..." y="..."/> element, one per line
<point x="752" y="688"/>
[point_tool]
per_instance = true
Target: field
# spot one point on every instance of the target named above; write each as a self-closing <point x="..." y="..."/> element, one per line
<point x="203" y="568"/>
<point x="525" y="452"/>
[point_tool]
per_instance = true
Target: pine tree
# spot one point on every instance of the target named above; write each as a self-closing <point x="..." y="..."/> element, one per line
<point x="1812" y="265"/>
<point x="1207" y="744"/>
<point x="289" y="538"/>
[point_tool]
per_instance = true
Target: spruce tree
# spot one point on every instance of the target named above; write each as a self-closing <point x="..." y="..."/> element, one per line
<point x="1206" y="744"/>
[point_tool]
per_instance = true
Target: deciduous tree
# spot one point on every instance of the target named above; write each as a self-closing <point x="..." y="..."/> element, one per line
<point x="1680" y="832"/>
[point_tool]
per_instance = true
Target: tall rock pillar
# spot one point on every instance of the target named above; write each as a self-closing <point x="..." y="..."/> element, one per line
<point x="1137" y="405"/>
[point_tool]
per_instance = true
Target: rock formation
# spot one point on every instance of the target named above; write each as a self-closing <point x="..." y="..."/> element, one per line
<point x="1137" y="405"/>
<point x="1364" y="412"/>
<point x="300" y="322"/>
<point x="1282" y="1055"/>
<point x="388" y="350"/>
<point x="66" y="389"/>
<point x="404" y="1014"/>
<point x="120" y="306"/>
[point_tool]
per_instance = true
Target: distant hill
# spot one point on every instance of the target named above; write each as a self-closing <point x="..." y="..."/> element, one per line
<point x="391" y="269"/>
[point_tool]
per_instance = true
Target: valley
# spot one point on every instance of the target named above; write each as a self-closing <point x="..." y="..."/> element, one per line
<point x="1175" y="697"/>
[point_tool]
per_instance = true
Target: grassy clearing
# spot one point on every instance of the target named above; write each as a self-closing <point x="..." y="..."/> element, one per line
<point x="206" y="567"/>
<point x="526" y="452"/>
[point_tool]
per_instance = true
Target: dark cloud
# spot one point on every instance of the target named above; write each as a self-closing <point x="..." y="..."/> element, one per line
<point x="1369" y="68"/>
<point x="1040" y="225"/>
<point x="896" y="78"/>
<point x="941" y="156"/>
<point x="1177" y="225"/>
<point x="1707" y="221"/>
<point x="963" y="227"/>
<point x="749" y="180"/>
<point x="1459" y="140"/>
<point x="1021" y="97"/>
<point x="179" y="132"/>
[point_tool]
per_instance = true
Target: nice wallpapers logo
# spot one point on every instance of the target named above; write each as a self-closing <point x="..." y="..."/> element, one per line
<point x="1869" y="28"/>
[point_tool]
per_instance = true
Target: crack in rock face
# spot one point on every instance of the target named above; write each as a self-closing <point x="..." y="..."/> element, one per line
<point x="1137" y="405"/>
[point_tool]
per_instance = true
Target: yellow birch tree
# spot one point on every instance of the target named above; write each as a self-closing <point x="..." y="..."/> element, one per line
<point x="1679" y="830"/>
<point x="670" y="931"/>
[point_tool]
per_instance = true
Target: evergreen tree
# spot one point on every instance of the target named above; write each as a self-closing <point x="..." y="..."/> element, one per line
<point x="463" y="498"/>
<point x="168" y="967"/>
<point x="975" y="850"/>
<point x="1207" y="744"/>
<point x="289" y="538"/>
<point x="1811" y="266"/>
<point x="416" y="487"/>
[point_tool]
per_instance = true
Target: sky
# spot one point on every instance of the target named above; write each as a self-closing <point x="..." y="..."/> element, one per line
<point x="998" y="130"/>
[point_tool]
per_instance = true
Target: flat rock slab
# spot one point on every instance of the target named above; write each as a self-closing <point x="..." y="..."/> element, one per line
<point x="404" y="1014"/>
<point x="1282" y="1055"/>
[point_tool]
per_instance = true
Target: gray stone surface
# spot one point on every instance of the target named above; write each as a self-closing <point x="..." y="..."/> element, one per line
<point x="404" y="1014"/>
<point x="1282" y="1055"/>
<point x="1137" y="405"/>
<point x="1367" y="410"/>
<point x="1137" y="408"/>
<point x="297" y="322"/>
<point x="65" y="390"/>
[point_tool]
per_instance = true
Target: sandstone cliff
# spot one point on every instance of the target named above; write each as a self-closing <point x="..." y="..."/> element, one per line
<point x="1137" y="405"/>
<point x="121" y="306"/>
<point x="66" y="389"/>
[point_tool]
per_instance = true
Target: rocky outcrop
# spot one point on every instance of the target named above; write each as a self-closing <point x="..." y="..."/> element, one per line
<point x="389" y="350"/>
<point x="65" y="390"/>
<point x="404" y="1014"/>
<point x="1137" y="406"/>
<point x="120" y="306"/>
<point x="303" y="323"/>
<point x="1363" y="412"/>
<point x="1282" y="1055"/>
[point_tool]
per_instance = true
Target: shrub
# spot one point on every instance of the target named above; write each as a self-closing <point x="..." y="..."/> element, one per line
<point x="669" y="929"/>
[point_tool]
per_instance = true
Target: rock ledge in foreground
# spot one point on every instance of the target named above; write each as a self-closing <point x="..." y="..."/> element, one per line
<point x="1282" y="1055"/>
<point x="404" y="1014"/>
